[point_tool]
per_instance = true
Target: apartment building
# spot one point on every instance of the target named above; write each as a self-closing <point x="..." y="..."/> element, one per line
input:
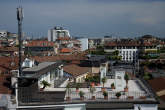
<point x="56" y="33"/>
<point x="128" y="50"/>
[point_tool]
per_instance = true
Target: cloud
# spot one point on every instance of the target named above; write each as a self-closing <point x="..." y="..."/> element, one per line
<point x="89" y="17"/>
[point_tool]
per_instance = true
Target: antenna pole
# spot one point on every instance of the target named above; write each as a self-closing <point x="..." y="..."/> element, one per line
<point x="20" y="18"/>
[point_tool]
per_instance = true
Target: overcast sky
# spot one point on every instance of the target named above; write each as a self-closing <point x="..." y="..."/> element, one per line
<point x="97" y="18"/>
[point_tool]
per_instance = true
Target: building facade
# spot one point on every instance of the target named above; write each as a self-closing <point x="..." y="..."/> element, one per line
<point x="84" y="43"/>
<point x="57" y="32"/>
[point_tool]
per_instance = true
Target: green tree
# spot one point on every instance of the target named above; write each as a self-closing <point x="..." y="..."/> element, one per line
<point x="45" y="84"/>
<point x="104" y="81"/>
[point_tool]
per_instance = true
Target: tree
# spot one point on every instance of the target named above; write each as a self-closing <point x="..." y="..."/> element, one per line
<point x="113" y="86"/>
<point x="116" y="52"/>
<point x="126" y="77"/>
<point x="104" y="81"/>
<point x="105" y="93"/>
<point x="81" y="93"/>
<point x="68" y="90"/>
<point x="45" y="84"/>
<point x="118" y="94"/>
<point x="92" y="90"/>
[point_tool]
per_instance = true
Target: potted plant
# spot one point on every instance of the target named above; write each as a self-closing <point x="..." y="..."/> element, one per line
<point x="112" y="86"/>
<point x="118" y="94"/>
<point x="105" y="94"/>
<point x="98" y="84"/>
<point x="77" y="87"/>
<point x="68" y="90"/>
<point x="92" y="90"/>
<point x="45" y="84"/>
<point x="103" y="81"/>
<point x="130" y="97"/>
<point x="92" y="84"/>
<point x="81" y="93"/>
<point x="126" y="77"/>
<point x="142" y="97"/>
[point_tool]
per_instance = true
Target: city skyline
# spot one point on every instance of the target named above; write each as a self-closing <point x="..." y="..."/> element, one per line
<point x="130" y="18"/>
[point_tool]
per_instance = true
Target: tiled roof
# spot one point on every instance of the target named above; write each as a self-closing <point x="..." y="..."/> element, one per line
<point x="148" y="44"/>
<point x="76" y="70"/>
<point x="122" y="43"/>
<point x="158" y="85"/>
<point x="5" y="84"/>
<point x="8" y="63"/>
<point x="8" y="49"/>
<point x="66" y="50"/>
<point x="40" y="43"/>
<point x="63" y="38"/>
<point x="59" y="57"/>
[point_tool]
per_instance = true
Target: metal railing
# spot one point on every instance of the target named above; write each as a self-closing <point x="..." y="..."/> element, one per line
<point x="111" y="95"/>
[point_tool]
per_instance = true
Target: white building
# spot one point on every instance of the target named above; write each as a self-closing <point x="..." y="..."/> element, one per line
<point x="128" y="50"/>
<point x="3" y="34"/>
<point x="57" y="32"/>
<point x="128" y="54"/>
<point x="84" y="43"/>
<point x="48" y="71"/>
<point x="28" y="63"/>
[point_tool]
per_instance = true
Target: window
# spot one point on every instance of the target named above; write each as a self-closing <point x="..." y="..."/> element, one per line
<point x="27" y="63"/>
<point x="118" y="77"/>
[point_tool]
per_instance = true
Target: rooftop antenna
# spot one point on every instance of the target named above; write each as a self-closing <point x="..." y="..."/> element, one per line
<point x="20" y="19"/>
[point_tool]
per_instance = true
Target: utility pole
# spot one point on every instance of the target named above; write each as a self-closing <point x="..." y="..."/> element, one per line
<point x="20" y="19"/>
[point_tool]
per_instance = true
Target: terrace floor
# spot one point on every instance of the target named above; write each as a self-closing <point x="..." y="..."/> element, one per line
<point x="135" y="89"/>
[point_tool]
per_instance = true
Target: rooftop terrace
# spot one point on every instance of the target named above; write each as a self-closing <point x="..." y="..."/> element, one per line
<point x="138" y="92"/>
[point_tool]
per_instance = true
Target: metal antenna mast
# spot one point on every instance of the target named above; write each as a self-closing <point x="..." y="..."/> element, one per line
<point x="20" y="18"/>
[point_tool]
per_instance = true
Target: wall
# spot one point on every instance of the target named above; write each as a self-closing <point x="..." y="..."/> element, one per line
<point x="75" y="107"/>
<point x="3" y="34"/>
<point x="84" y="44"/>
<point x="120" y="83"/>
<point x="51" y="76"/>
<point x="95" y="69"/>
<point x="28" y="63"/>
<point x="145" y="107"/>
<point x="80" y="79"/>
<point x="131" y="54"/>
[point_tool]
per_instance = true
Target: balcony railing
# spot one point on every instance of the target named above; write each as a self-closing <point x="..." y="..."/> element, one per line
<point x="111" y="95"/>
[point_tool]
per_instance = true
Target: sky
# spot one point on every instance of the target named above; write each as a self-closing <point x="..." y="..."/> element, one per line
<point x="87" y="18"/>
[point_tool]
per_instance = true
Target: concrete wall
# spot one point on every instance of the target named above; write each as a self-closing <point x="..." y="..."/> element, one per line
<point x="81" y="78"/>
<point x="95" y="69"/>
<point x="120" y="83"/>
<point x="75" y="107"/>
<point x="51" y="76"/>
<point x="84" y="44"/>
<point x="145" y="107"/>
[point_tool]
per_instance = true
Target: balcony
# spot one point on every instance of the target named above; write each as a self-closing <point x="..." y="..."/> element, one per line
<point x="137" y="92"/>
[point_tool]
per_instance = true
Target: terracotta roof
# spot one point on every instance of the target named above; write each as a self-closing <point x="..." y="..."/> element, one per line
<point x="63" y="38"/>
<point x="5" y="84"/>
<point x="122" y="43"/>
<point x="8" y="63"/>
<point x="40" y="43"/>
<point x="59" y="57"/>
<point x="158" y="85"/>
<point x="8" y="49"/>
<point x="148" y="44"/>
<point x="66" y="50"/>
<point x="76" y="70"/>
